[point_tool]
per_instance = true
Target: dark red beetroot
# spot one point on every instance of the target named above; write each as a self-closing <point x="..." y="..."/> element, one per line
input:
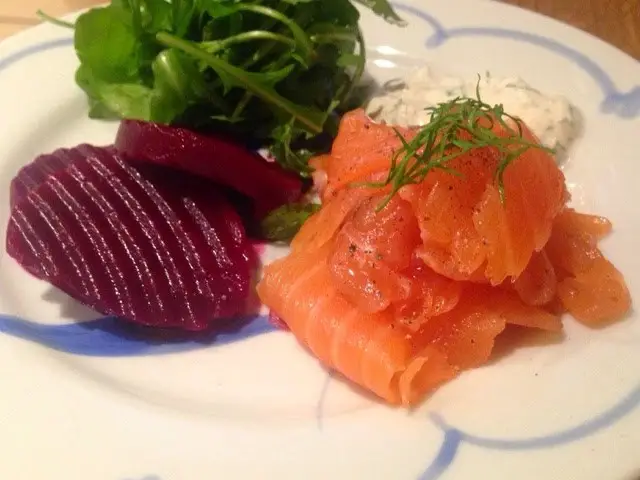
<point x="154" y="246"/>
<point x="217" y="159"/>
<point x="38" y="171"/>
<point x="33" y="174"/>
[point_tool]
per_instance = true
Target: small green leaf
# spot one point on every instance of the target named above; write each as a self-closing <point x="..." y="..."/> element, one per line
<point x="177" y="85"/>
<point x="269" y="79"/>
<point x="106" y="44"/>
<point x="338" y="12"/>
<point x="99" y="111"/>
<point x="283" y="136"/>
<point x="184" y="14"/>
<point x="156" y="16"/>
<point x="127" y="100"/>
<point x="219" y="9"/>
<point x="349" y="60"/>
<point x="86" y="81"/>
<point x="175" y="71"/>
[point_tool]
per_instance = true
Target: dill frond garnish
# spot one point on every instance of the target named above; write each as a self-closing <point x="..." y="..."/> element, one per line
<point x="439" y="142"/>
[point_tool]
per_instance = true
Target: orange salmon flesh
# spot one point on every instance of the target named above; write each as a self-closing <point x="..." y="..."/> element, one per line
<point x="400" y="300"/>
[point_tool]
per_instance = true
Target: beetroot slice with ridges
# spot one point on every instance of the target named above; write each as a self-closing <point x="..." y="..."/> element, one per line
<point x="215" y="158"/>
<point x="33" y="174"/>
<point x="39" y="170"/>
<point x="154" y="246"/>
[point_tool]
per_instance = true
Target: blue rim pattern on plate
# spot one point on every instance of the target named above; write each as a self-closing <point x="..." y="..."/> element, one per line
<point x="110" y="337"/>
<point x="454" y="437"/>
<point x="34" y="50"/>
<point x="107" y="337"/>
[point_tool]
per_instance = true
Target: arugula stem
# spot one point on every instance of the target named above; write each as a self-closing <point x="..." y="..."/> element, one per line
<point x="246" y="98"/>
<point x="218" y="45"/>
<point x="136" y="17"/>
<point x="333" y="37"/>
<point x="242" y="104"/>
<point x="268" y="25"/>
<point x="361" y="64"/>
<point x="346" y="90"/>
<point x="55" y="21"/>
<point x="279" y="63"/>
<point x="301" y="38"/>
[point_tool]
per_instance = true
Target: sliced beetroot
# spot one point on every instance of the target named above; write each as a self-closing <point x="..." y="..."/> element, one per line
<point x="36" y="172"/>
<point x="39" y="170"/>
<point x="215" y="158"/>
<point x="154" y="246"/>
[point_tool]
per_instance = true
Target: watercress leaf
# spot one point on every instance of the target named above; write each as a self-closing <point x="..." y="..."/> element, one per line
<point x="134" y="8"/>
<point x="99" y="111"/>
<point x="106" y="44"/>
<point x="283" y="137"/>
<point x="184" y="14"/>
<point x="91" y="86"/>
<point x="384" y="9"/>
<point x="349" y="60"/>
<point x="268" y="79"/>
<point x="176" y="72"/>
<point x="86" y="80"/>
<point x="220" y="8"/>
<point x="178" y="83"/>
<point x="156" y="15"/>
<point x="340" y="12"/>
<point x="127" y="100"/>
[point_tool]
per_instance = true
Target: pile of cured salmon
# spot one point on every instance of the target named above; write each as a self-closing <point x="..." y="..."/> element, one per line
<point x="401" y="299"/>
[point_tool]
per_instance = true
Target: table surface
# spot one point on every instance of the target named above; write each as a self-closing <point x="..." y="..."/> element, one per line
<point x="616" y="21"/>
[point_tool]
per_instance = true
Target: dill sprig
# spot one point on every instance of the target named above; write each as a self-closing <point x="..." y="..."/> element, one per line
<point x="439" y="142"/>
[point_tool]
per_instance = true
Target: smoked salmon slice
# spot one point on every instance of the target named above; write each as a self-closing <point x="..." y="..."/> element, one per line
<point x="361" y="149"/>
<point x="380" y="351"/>
<point x="399" y="296"/>
<point x="585" y="274"/>
<point x="468" y="232"/>
<point x="369" y="349"/>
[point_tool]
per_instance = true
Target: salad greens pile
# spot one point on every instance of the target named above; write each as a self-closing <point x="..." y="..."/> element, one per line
<point x="275" y="72"/>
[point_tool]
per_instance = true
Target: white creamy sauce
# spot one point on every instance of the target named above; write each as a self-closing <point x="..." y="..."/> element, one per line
<point x="551" y="117"/>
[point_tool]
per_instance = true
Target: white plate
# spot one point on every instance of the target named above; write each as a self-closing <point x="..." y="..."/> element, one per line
<point x="93" y="403"/>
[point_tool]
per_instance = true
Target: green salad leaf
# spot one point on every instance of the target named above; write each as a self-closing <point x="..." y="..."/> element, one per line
<point x="277" y="73"/>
